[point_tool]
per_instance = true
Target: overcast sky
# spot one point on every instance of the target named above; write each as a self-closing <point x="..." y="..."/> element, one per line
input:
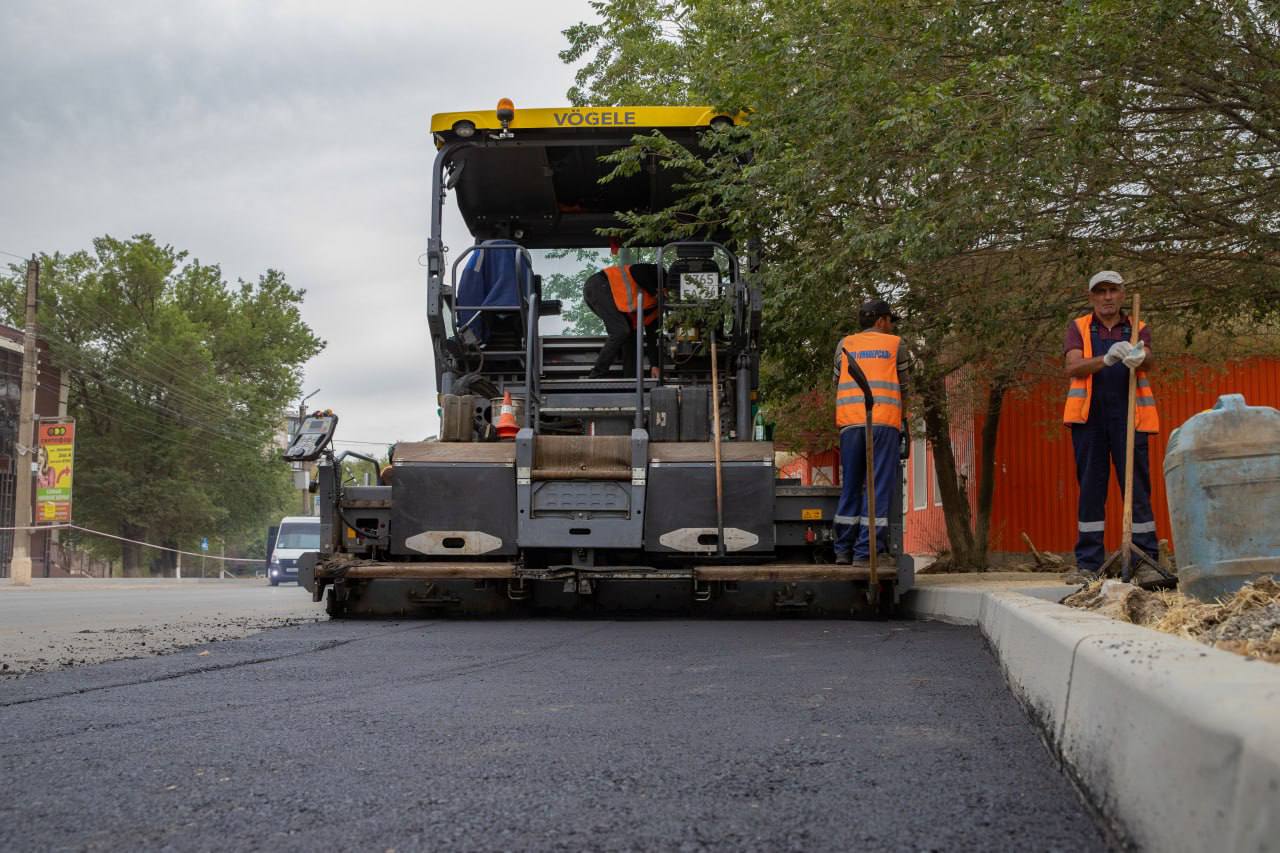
<point x="256" y="135"/>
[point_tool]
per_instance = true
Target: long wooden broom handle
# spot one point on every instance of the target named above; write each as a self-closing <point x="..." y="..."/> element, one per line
<point x="715" y="428"/>
<point x="868" y="402"/>
<point x="1126" y="544"/>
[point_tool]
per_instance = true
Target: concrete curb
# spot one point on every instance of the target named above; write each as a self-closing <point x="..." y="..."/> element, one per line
<point x="1176" y="743"/>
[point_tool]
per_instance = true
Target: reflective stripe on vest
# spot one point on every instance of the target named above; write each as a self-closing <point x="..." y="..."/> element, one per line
<point x="877" y="355"/>
<point x="1080" y="393"/>
<point x="623" y="285"/>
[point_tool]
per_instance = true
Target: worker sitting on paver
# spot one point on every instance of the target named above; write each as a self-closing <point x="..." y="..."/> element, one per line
<point x="883" y="360"/>
<point x="1097" y="348"/>
<point x="611" y="294"/>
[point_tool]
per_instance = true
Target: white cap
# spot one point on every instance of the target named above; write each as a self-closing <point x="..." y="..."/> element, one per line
<point x="1105" y="277"/>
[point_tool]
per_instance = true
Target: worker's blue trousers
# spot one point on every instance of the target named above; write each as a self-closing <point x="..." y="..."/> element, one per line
<point x="1099" y="446"/>
<point x="851" y="513"/>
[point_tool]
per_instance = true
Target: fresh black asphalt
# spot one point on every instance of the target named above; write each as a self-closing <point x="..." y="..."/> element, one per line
<point x="538" y="735"/>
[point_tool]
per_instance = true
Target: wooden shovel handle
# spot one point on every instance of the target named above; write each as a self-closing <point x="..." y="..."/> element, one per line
<point x="1126" y="541"/>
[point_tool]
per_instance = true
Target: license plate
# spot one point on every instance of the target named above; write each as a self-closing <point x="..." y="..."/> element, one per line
<point x="699" y="285"/>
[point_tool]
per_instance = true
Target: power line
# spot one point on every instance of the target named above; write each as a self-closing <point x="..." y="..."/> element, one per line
<point x="80" y="365"/>
<point x="144" y="371"/>
<point x="101" y="312"/>
<point x="173" y="439"/>
<point x="199" y="554"/>
<point x="101" y="321"/>
<point x="108" y="319"/>
<point x="98" y="373"/>
<point x="78" y="356"/>
<point x="181" y="418"/>
<point x="210" y="451"/>
<point x="133" y="423"/>
<point x="223" y="423"/>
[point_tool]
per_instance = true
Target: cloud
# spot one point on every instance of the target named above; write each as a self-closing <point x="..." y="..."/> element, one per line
<point x="276" y="135"/>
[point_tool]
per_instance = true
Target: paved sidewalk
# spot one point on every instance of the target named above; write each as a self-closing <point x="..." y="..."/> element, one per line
<point x="60" y="622"/>
<point x="995" y="580"/>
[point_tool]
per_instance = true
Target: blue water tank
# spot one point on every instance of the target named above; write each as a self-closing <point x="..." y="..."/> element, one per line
<point x="1222" y="475"/>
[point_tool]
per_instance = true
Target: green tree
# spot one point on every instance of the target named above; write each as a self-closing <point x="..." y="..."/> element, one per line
<point x="972" y="162"/>
<point x="567" y="287"/>
<point x="178" y="384"/>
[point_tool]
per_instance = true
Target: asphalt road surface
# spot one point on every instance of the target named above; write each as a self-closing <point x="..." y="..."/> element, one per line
<point x="538" y="735"/>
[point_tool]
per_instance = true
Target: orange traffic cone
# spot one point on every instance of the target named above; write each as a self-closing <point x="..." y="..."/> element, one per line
<point x="507" y="426"/>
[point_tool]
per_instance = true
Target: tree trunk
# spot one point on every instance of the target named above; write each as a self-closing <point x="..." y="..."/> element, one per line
<point x="955" y="500"/>
<point x="131" y="564"/>
<point x="987" y="469"/>
<point x="168" y="560"/>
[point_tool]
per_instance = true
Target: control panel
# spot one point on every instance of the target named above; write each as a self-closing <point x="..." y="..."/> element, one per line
<point x="312" y="438"/>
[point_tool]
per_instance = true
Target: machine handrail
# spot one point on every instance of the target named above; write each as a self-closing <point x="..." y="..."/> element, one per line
<point x="533" y="372"/>
<point x="453" y="281"/>
<point x="338" y="459"/>
<point x="528" y="306"/>
<point x="662" y="272"/>
<point x="640" y="349"/>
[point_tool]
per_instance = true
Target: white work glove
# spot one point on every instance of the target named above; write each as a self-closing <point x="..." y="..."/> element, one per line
<point x="1137" y="355"/>
<point x="1118" y="351"/>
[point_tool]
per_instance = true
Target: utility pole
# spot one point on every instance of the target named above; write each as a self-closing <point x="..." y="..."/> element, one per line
<point x="306" y="492"/>
<point x="20" y="566"/>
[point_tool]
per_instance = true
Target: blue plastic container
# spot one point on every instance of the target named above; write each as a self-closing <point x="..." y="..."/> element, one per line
<point x="1222" y="475"/>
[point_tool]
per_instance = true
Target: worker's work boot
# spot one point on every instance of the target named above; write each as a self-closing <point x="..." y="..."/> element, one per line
<point x="842" y="559"/>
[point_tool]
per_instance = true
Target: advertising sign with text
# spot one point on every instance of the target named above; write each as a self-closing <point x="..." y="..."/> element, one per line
<point x="55" y="457"/>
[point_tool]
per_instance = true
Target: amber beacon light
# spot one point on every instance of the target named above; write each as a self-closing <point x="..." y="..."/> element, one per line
<point x="506" y="112"/>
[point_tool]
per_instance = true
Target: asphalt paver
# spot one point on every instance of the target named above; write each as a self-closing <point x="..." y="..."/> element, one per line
<point x="538" y="735"/>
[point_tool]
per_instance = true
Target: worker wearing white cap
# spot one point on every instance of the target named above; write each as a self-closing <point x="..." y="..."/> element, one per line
<point x="1099" y="356"/>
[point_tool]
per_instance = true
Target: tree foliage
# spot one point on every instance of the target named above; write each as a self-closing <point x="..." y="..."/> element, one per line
<point x="578" y="318"/>
<point x="971" y="161"/>
<point x="178" y="382"/>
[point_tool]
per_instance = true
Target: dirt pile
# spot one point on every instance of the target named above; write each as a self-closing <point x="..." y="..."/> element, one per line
<point x="945" y="564"/>
<point x="1123" y="601"/>
<point x="1247" y="622"/>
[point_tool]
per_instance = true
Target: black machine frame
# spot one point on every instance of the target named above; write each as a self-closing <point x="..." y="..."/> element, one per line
<point x="592" y="506"/>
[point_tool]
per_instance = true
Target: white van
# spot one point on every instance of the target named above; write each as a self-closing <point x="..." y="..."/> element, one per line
<point x="297" y="535"/>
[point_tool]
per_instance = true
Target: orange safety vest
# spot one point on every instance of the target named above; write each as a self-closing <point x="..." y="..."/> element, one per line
<point x="1080" y="394"/>
<point x="877" y="355"/>
<point x="624" y="288"/>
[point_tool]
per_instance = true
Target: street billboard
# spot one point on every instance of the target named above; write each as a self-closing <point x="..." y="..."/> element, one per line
<point x="55" y="459"/>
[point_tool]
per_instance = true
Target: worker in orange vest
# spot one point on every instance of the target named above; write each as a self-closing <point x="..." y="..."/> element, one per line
<point x="883" y="360"/>
<point x="1099" y="356"/>
<point x="611" y="294"/>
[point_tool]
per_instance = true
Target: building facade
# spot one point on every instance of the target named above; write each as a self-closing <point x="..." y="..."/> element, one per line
<point x="51" y="401"/>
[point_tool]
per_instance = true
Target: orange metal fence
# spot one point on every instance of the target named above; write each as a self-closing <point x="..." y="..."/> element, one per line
<point x="1035" y="480"/>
